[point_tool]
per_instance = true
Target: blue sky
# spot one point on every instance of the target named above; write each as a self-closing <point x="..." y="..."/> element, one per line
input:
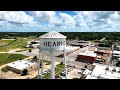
<point x="62" y="21"/>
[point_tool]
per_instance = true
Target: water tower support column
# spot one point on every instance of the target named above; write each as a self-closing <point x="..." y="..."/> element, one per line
<point x="42" y="64"/>
<point x="65" y="69"/>
<point x="39" y="64"/>
<point x="52" y="66"/>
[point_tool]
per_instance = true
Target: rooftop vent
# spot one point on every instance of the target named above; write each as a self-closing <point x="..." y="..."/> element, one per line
<point x="114" y="70"/>
<point x="107" y="68"/>
<point x="119" y="71"/>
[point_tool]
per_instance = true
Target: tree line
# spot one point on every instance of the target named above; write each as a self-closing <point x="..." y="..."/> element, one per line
<point x="113" y="36"/>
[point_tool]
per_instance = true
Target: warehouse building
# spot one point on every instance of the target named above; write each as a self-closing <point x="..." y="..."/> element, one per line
<point x="87" y="57"/>
<point x="103" y="51"/>
<point x="80" y="43"/>
<point x="104" y="72"/>
<point x="22" y="65"/>
<point x="69" y="50"/>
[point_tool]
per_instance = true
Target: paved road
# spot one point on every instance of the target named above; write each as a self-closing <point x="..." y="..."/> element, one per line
<point x="70" y="58"/>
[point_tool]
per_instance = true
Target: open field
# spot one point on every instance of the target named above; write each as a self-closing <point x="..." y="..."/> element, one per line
<point x="7" y="58"/>
<point x="20" y="42"/>
<point x="5" y="42"/>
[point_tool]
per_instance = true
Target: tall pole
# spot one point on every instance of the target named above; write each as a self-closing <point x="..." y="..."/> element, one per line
<point x="39" y="64"/>
<point x="65" y="69"/>
<point x="52" y="66"/>
<point x="42" y="65"/>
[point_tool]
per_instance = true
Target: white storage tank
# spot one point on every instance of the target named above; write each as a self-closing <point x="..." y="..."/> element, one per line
<point x="52" y="40"/>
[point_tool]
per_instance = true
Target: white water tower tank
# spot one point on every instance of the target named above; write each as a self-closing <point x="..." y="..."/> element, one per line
<point x="52" y="40"/>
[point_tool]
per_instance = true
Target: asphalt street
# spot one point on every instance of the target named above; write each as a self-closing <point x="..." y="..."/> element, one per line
<point x="70" y="59"/>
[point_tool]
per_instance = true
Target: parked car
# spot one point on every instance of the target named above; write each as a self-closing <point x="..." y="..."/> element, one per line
<point x="40" y="75"/>
<point x="63" y="73"/>
<point x="82" y="69"/>
<point x="80" y="72"/>
<point x="97" y="61"/>
<point x="69" y="69"/>
<point x="48" y="70"/>
<point x="45" y="72"/>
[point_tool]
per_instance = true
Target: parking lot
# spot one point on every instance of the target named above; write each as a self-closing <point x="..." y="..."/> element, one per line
<point x="73" y="74"/>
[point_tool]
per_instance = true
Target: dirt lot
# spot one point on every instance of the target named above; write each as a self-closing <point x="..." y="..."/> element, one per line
<point x="12" y="75"/>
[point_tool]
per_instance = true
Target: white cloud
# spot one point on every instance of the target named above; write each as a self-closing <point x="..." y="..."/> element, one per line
<point x="44" y="15"/>
<point x="16" y="17"/>
<point x="115" y="16"/>
<point x="46" y="20"/>
<point x="47" y="16"/>
<point x="67" y="20"/>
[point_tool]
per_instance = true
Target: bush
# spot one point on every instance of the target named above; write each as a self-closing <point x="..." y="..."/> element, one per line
<point x="24" y="72"/>
<point x="35" y="57"/>
<point x="4" y="69"/>
<point x="30" y="50"/>
<point x="85" y="66"/>
<point x="61" y="63"/>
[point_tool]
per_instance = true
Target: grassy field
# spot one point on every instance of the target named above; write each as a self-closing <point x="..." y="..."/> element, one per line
<point x="7" y="58"/>
<point x="58" y="70"/>
<point x="20" y="42"/>
<point x="22" y="50"/>
<point x="5" y="42"/>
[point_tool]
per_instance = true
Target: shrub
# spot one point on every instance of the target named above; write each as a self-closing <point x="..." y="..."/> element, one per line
<point x="4" y="69"/>
<point x="30" y="50"/>
<point x="35" y="57"/>
<point x="24" y="72"/>
<point x="61" y="63"/>
<point x="85" y="66"/>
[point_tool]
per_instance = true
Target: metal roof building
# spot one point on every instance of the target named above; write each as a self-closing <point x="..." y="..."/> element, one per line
<point x="104" y="72"/>
<point x="20" y="65"/>
<point x="88" y="53"/>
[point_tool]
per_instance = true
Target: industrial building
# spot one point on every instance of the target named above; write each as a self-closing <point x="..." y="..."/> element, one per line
<point x="115" y="54"/>
<point x="21" y="65"/>
<point x="103" y="51"/>
<point x="104" y="72"/>
<point x="33" y="44"/>
<point x="71" y="49"/>
<point x="88" y="57"/>
<point x="80" y="43"/>
<point x="92" y="49"/>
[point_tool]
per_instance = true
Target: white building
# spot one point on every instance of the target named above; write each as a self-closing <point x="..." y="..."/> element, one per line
<point x="71" y="49"/>
<point x="20" y="65"/>
<point x="104" y="72"/>
<point x="116" y="55"/>
<point x="33" y="44"/>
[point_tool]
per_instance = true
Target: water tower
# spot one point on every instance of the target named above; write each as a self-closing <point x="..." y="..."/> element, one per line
<point x="52" y="42"/>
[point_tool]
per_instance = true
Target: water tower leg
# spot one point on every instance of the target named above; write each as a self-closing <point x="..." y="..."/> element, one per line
<point x="52" y="66"/>
<point x="65" y="69"/>
<point x="39" y="64"/>
<point x="42" y="65"/>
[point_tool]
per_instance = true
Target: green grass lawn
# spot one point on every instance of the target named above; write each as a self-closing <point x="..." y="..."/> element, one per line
<point x="48" y="62"/>
<point x="7" y="58"/>
<point x="20" y="42"/>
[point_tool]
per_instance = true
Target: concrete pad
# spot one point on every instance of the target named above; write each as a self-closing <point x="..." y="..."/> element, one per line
<point x="73" y="74"/>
